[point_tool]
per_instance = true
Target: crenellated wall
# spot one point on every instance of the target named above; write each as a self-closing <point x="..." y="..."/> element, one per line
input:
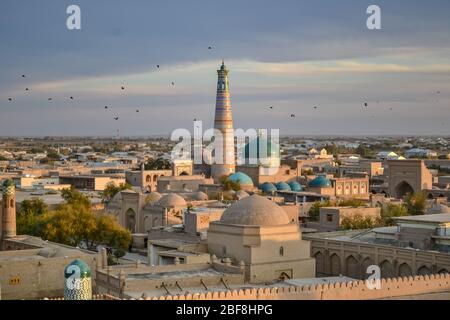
<point x="357" y="290"/>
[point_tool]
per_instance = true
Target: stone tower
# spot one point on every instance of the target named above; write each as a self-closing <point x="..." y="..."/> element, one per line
<point x="8" y="210"/>
<point x="223" y="122"/>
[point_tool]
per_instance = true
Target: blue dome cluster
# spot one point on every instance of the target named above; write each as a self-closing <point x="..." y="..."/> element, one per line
<point x="283" y="186"/>
<point x="242" y="178"/>
<point x="268" y="188"/>
<point x="295" y="186"/>
<point x="320" y="182"/>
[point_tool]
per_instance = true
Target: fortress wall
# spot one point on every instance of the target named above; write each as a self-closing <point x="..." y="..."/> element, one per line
<point x="357" y="290"/>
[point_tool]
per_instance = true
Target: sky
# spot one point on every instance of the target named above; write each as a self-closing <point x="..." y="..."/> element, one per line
<point x="291" y="55"/>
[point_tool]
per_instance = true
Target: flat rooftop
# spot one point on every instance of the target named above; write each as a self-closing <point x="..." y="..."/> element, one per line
<point x="174" y="275"/>
<point x="432" y="218"/>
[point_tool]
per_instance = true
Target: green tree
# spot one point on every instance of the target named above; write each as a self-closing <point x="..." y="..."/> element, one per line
<point x="416" y="203"/>
<point x="357" y="222"/>
<point x="112" y="189"/>
<point x="73" y="196"/>
<point x="391" y="211"/>
<point x="28" y="216"/>
<point x="74" y="223"/>
<point x="157" y="164"/>
<point x="314" y="211"/>
<point x="352" y="203"/>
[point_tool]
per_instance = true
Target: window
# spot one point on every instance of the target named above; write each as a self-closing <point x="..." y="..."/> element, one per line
<point x="329" y="218"/>
<point x="281" y="251"/>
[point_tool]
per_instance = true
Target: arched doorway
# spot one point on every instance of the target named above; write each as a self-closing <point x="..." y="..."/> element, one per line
<point x="404" y="270"/>
<point x="335" y="265"/>
<point x="184" y="173"/>
<point x="387" y="269"/>
<point x="403" y="189"/>
<point x="443" y="271"/>
<point x="423" y="271"/>
<point x="130" y="220"/>
<point x="352" y="269"/>
<point x="284" y="276"/>
<point x="319" y="262"/>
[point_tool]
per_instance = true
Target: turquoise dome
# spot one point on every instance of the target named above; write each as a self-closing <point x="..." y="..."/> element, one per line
<point x="85" y="271"/>
<point x="320" y="182"/>
<point x="268" y="188"/>
<point x="295" y="186"/>
<point x="283" y="186"/>
<point x="242" y="178"/>
<point x="272" y="151"/>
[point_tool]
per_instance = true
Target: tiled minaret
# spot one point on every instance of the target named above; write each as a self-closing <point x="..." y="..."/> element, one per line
<point x="223" y="122"/>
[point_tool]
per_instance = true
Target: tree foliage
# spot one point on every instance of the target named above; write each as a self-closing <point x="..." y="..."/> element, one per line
<point x="112" y="189"/>
<point x="358" y="221"/>
<point x="314" y="211"/>
<point x="73" y="223"/>
<point x="391" y="211"/>
<point x="157" y="164"/>
<point x="416" y="203"/>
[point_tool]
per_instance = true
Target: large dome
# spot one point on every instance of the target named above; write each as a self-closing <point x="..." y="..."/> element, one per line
<point x="172" y="200"/>
<point x="242" y="178"/>
<point x="255" y="211"/>
<point x="153" y="197"/>
<point x="320" y="182"/>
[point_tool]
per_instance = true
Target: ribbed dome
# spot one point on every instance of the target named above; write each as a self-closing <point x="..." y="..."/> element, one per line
<point x="320" y="182"/>
<point x="153" y="197"/>
<point x="200" y="196"/>
<point x="268" y="188"/>
<point x="283" y="186"/>
<point x="242" y="178"/>
<point x="255" y="211"/>
<point x="172" y="200"/>
<point x="295" y="186"/>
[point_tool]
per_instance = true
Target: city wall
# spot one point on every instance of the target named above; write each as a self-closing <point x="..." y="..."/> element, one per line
<point x="357" y="290"/>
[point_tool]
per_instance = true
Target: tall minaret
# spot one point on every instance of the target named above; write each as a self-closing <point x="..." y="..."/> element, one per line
<point x="223" y="122"/>
<point x="8" y="210"/>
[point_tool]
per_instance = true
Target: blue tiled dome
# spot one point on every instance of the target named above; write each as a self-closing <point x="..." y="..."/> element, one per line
<point x="80" y="266"/>
<point x="283" y="186"/>
<point x="295" y="186"/>
<point x="242" y="178"/>
<point x="268" y="188"/>
<point x="320" y="182"/>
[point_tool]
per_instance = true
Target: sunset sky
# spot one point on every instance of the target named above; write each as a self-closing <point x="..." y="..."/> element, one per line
<point x="292" y="55"/>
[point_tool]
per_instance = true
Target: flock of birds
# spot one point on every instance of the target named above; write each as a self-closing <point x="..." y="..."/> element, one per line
<point x="116" y="116"/>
